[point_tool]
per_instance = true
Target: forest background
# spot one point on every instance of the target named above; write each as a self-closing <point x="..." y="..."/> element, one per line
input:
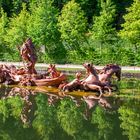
<point x="72" y="31"/>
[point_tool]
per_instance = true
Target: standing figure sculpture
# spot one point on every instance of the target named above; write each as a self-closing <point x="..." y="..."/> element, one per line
<point x="28" y="54"/>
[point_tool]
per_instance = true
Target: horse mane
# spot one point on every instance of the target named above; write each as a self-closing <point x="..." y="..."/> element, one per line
<point x="116" y="69"/>
<point x="109" y="66"/>
<point x="92" y="68"/>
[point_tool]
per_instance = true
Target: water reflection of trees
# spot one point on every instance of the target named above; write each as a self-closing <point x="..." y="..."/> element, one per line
<point x="130" y="118"/>
<point x="70" y="117"/>
<point x="54" y="117"/>
<point x="106" y="123"/>
<point x="11" y="127"/>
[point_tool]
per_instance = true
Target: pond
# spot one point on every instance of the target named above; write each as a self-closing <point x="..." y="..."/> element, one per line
<point x="43" y="113"/>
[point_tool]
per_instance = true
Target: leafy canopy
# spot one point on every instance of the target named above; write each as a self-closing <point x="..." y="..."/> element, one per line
<point x="17" y="31"/>
<point x="42" y="26"/>
<point x="103" y="29"/>
<point x="72" y="24"/>
<point x="131" y="27"/>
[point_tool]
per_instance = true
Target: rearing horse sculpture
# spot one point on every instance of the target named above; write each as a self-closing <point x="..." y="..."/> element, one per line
<point x="107" y="72"/>
<point x="92" y="82"/>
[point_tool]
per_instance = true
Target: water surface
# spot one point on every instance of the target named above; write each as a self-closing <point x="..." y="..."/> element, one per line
<point x="45" y="114"/>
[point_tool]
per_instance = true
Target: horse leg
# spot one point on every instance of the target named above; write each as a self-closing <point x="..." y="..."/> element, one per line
<point x="95" y="87"/>
<point x="109" y="90"/>
<point x="90" y="97"/>
<point x="113" y="85"/>
<point x="118" y="75"/>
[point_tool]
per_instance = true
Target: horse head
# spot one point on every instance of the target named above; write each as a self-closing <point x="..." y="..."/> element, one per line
<point x="53" y="71"/>
<point x="90" y="68"/>
<point x="51" y="68"/>
<point x="111" y="69"/>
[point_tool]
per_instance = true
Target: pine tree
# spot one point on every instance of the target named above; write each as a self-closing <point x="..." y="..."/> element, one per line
<point x="16" y="6"/>
<point x="42" y="27"/>
<point x="103" y="28"/>
<point x="72" y="24"/>
<point x="3" y="27"/>
<point x="131" y="27"/>
<point x="17" y="31"/>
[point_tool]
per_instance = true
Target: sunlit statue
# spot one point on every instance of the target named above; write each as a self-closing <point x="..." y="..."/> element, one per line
<point x="28" y="54"/>
<point x="95" y="79"/>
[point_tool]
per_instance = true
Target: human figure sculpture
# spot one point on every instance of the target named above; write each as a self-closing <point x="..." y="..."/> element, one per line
<point x="53" y="71"/>
<point x="75" y="84"/>
<point x="28" y="54"/>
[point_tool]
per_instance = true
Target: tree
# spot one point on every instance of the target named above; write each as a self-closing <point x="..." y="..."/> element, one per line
<point x="17" y="31"/>
<point x="72" y="25"/>
<point x="16" y="6"/>
<point x="103" y="28"/>
<point x="89" y="7"/>
<point x="3" y="27"/>
<point x="44" y="31"/>
<point x="42" y="27"/>
<point x="3" y="24"/>
<point x="131" y="27"/>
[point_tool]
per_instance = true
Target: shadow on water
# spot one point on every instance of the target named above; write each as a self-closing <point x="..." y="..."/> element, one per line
<point x="43" y="113"/>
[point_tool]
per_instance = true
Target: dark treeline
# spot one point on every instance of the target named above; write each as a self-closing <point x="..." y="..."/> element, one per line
<point x="72" y="31"/>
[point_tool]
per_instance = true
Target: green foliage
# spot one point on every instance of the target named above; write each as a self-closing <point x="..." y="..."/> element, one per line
<point x="130" y="116"/>
<point x="4" y="49"/>
<point x="72" y="25"/>
<point x="104" y="122"/>
<point x="103" y="29"/>
<point x="89" y="7"/>
<point x="17" y="31"/>
<point x="45" y="121"/>
<point x="66" y="31"/>
<point x="17" y="5"/>
<point x="131" y="27"/>
<point x="11" y="107"/>
<point x="43" y="30"/>
<point x="69" y="117"/>
<point x="3" y="25"/>
<point x="17" y="28"/>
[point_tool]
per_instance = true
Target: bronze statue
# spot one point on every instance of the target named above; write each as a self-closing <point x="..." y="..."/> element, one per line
<point x="28" y="54"/>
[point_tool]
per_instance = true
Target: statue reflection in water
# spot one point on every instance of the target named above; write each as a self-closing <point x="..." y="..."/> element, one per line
<point x="29" y="104"/>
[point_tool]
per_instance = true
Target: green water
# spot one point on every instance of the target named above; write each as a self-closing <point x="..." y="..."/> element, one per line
<point x="27" y="114"/>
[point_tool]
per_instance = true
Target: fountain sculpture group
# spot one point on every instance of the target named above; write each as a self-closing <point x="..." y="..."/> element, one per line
<point x="93" y="80"/>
